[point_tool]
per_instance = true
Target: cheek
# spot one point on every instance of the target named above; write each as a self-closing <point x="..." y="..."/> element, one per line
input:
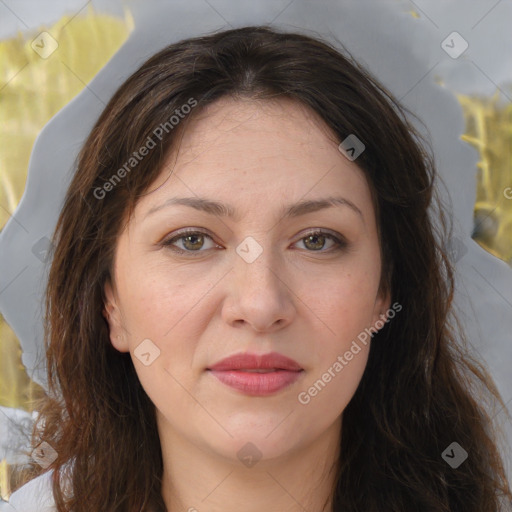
<point x="345" y="305"/>
<point x="324" y="397"/>
<point x="161" y="309"/>
<point x="342" y="349"/>
<point x="171" y="307"/>
<point x="159" y="300"/>
<point x="343" y="302"/>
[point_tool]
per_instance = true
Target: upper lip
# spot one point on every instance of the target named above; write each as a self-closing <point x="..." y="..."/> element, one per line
<point x="249" y="361"/>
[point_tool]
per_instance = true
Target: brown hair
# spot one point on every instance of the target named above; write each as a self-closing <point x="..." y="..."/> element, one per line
<point x="419" y="390"/>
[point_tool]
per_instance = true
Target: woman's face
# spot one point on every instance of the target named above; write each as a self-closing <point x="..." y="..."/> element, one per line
<point x="253" y="282"/>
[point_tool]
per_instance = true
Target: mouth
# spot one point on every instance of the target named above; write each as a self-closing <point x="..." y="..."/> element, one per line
<point x="257" y="375"/>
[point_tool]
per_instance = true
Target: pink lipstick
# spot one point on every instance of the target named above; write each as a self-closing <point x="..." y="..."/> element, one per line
<point x="257" y="375"/>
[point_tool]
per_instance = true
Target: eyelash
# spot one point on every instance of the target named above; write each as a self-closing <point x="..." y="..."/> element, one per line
<point x="340" y="242"/>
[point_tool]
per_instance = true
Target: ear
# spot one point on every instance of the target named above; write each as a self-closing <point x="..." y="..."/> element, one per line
<point x="113" y="315"/>
<point x="382" y="305"/>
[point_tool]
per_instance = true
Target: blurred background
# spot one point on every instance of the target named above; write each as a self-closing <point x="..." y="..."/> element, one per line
<point x="34" y="87"/>
<point x="32" y="91"/>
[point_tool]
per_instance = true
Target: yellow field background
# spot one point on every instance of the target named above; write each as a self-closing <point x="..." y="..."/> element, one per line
<point x="33" y="89"/>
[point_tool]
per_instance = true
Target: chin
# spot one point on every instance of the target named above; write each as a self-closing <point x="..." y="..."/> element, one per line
<point x="259" y="443"/>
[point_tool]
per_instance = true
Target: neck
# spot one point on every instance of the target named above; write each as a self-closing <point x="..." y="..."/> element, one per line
<point x="199" y="480"/>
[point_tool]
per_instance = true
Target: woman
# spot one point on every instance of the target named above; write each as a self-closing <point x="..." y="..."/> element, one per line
<point x="248" y="302"/>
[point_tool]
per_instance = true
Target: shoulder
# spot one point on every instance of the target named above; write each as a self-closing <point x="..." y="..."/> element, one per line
<point x="34" y="496"/>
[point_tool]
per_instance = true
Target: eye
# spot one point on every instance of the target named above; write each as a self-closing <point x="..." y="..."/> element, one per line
<point x="315" y="241"/>
<point x="192" y="241"/>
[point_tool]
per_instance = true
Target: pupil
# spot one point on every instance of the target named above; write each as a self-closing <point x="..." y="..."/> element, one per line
<point x="195" y="245"/>
<point x="313" y="237"/>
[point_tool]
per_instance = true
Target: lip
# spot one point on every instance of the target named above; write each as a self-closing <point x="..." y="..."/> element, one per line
<point x="250" y="361"/>
<point x="234" y="371"/>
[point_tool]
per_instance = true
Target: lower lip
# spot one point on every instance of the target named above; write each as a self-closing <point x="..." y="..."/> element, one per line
<point x="257" y="384"/>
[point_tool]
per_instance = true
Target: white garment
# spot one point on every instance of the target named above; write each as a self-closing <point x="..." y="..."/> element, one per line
<point x="34" y="496"/>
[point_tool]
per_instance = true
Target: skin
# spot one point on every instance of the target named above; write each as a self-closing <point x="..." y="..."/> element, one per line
<point x="307" y="304"/>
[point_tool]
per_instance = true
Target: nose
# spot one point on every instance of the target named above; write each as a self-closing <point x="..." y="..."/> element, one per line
<point x="258" y="295"/>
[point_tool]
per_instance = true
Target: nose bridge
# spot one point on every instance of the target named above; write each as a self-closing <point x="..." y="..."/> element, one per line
<point x="256" y="262"/>
<point x="259" y="294"/>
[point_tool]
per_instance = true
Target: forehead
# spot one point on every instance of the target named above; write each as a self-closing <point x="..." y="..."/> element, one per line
<point x="226" y="118"/>
<point x="263" y="150"/>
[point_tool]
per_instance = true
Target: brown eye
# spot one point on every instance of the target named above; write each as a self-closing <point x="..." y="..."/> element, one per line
<point x="193" y="242"/>
<point x="189" y="241"/>
<point x="316" y="241"/>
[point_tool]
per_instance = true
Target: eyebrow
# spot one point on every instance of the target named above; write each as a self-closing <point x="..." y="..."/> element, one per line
<point x="289" y="211"/>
